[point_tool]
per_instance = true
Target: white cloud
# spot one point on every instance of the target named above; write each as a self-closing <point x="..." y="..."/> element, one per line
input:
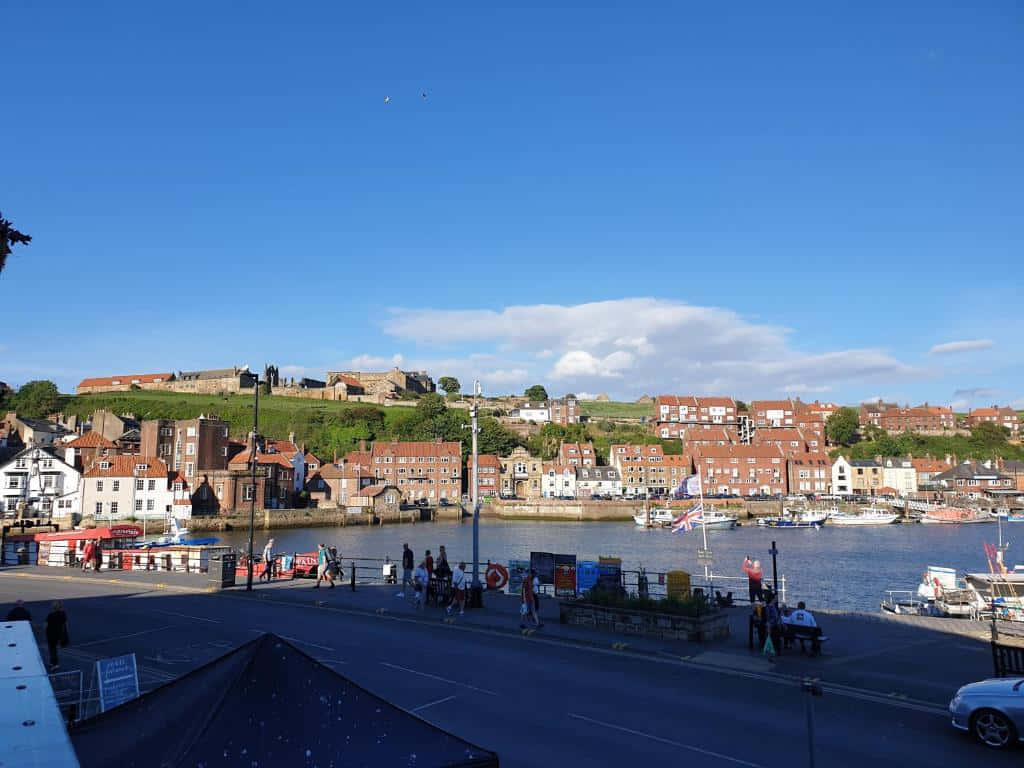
<point x="1018" y="404"/>
<point x="966" y="345"/>
<point x="375" y="362"/>
<point x="960" y="405"/>
<point x="586" y="396"/>
<point x="976" y="393"/>
<point x="805" y="388"/>
<point x="643" y="344"/>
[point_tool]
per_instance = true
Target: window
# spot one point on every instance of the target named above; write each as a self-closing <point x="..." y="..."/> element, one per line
<point x="47" y="481"/>
<point x="248" y="492"/>
<point x="190" y="449"/>
<point x="190" y="469"/>
<point x="224" y="451"/>
<point x="115" y="486"/>
<point x="113" y="508"/>
<point x="99" y="486"/>
<point x="149" y="505"/>
<point x="220" y="490"/>
<point x="152" y="485"/>
<point x="190" y="432"/>
<point x="139" y="483"/>
<point x="99" y="508"/>
<point x="104" y="465"/>
<point x="225" y="433"/>
<point x="138" y="505"/>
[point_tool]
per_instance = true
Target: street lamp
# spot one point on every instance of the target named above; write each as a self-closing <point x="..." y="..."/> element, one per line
<point x="476" y="594"/>
<point x="252" y="506"/>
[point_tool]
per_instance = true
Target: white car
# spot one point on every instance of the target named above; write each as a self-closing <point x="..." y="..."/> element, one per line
<point x="992" y="710"/>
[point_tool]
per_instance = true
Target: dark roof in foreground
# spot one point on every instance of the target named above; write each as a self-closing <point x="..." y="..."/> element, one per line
<point x="266" y="703"/>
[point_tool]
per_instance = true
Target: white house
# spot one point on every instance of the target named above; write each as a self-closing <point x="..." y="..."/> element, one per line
<point x="598" y="481"/>
<point x="42" y="482"/>
<point x="900" y="474"/>
<point x="842" y="477"/>
<point x="536" y="412"/>
<point x="558" y="481"/>
<point x="118" y="487"/>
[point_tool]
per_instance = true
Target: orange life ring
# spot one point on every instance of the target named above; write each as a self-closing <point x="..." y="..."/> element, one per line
<point x="497" y="576"/>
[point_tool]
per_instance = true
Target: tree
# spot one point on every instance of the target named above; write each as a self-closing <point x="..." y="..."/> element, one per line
<point x="37" y="399"/>
<point x="570" y="396"/>
<point x="266" y="389"/>
<point x="10" y="236"/>
<point x="841" y="427"/>
<point x="430" y="406"/>
<point x="536" y="392"/>
<point x="449" y="384"/>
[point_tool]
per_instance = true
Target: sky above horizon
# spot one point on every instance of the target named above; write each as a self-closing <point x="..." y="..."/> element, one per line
<point x="816" y="200"/>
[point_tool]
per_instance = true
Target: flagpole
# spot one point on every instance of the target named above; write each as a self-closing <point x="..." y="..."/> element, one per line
<point x="704" y="531"/>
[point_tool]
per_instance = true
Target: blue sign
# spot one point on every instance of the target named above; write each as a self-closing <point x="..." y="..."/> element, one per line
<point x="118" y="681"/>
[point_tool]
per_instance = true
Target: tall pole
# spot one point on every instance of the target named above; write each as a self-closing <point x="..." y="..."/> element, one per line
<point x="704" y="531"/>
<point x="252" y="506"/>
<point x="476" y="488"/>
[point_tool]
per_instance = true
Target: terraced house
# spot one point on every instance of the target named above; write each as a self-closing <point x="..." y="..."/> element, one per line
<point x="420" y="470"/>
<point x="742" y="470"/>
<point x="1004" y="416"/>
<point x="642" y="469"/>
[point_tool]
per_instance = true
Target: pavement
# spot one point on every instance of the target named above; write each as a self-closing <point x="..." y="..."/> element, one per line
<point x="561" y="692"/>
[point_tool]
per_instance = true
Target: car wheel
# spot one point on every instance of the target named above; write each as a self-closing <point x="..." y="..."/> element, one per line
<point x="993" y="729"/>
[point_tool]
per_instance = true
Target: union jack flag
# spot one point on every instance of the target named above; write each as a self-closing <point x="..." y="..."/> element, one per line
<point x="685" y="521"/>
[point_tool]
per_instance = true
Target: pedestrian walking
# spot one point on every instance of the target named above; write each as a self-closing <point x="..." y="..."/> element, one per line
<point x="422" y="579"/>
<point x="429" y="562"/>
<point x="97" y="555"/>
<point x="19" y="612"/>
<point x="773" y="617"/>
<point x="56" y="632"/>
<point x="407" y="566"/>
<point x="87" y="555"/>
<point x="755" y="578"/>
<point x="458" y="589"/>
<point x="335" y="562"/>
<point x="268" y="561"/>
<point x="536" y="593"/>
<point x="528" y="607"/>
<point x="323" y="567"/>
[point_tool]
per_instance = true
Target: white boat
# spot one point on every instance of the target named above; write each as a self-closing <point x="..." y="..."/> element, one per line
<point x="654" y="518"/>
<point x="867" y="516"/>
<point x="714" y="520"/>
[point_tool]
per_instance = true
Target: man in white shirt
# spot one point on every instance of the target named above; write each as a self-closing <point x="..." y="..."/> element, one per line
<point x="801" y="617"/>
<point x="268" y="561"/>
<point x="458" y="589"/>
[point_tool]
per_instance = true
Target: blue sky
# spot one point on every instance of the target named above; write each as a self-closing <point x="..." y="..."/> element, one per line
<point x="745" y="198"/>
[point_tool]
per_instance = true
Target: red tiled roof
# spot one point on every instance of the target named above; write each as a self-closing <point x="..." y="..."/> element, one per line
<point x="91" y="440"/>
<point x="309" y="458"/>
<point x="373" y="490"/>
<point x="348" y="381"/>
<point x="136" y="378"/>
<point x="126" y="466"/>
<point x="395" y="448"/>
<point x="737" y="452"/>
<point x="286" y="447"/>
<point x="261" y="458"/>
<point x="929" y="465"/>
<point x="484" y="460"/>
<point x="699" y="434"/>
<point x="773" y="405"/>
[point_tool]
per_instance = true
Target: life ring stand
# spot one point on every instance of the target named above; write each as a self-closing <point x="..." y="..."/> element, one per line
<point x="497" y="576"/>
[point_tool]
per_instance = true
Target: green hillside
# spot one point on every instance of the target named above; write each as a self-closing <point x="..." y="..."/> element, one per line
<point x="607" y="409"/>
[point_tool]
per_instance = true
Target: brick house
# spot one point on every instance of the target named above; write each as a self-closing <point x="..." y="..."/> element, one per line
<point x="810" y="473"/>
<point x="677" y="469"/>
<point x="866" y="477"/>
<point x="742" y="470"/>
<point x="190" y="446"/>
<point x="82" y="452"/>
<point x="565" y="411"/>
<point x="692" y="410"/>
<point x="792" y="440"/>
<point x="234" y="490"/>
<point x="694" y="437"/>
<point x="336" y="485"/>
<point x="921" y="418"/>
<point x="420" y="470"/>
<point x="926" y="469"/>
<point x="871" y="413"/>
<point x="1004" y="416"/>
<point x="769" y="414"/>
<point x="973" y="479"/>
<point x="490" y="475"/>
<point x="123" y="383"/>
<point x="382" y="499"/>
<point x="577" y="454"/>
<point x="642" y="469"/>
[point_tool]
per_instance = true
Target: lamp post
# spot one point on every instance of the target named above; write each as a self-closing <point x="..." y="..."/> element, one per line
<point x="252" y="506"/>
<point x="477" y="600"/>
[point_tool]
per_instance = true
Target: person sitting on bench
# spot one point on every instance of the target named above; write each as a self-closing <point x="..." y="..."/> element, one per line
<point x="801" y="617"/>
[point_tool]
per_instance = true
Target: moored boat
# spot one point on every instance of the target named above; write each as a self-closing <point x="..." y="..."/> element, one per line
<point x="867" y="516"/>
<point x="790" y="518"/>
<point x="654" y="518"/>
<point x="714" y="520"/>
<point x="957" y="516"/>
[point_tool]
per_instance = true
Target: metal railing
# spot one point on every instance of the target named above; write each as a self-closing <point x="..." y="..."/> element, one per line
<point x="67" y="690"/>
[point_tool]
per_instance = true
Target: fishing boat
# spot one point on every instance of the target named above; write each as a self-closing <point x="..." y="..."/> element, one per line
<point x="177" y="536"/>
<point x="796" y="518"/>
<point x="867" y="516"/>
<point x="1009" y="517"/>
<point x="957" y="516"/>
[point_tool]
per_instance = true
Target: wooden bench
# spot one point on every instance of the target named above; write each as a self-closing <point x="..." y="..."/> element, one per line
<point x="793" y="632"/>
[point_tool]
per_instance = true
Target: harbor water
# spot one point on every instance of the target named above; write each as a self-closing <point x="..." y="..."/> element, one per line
<point x="847" y="568"/>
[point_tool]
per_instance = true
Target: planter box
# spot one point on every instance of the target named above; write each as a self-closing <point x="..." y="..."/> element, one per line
<point x="714" y="626"/>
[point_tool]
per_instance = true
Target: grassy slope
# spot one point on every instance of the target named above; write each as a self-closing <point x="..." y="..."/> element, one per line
<point x="611" y="410"/>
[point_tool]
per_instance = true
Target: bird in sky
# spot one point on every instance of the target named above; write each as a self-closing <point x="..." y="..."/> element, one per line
<point x="387" y="99"/>
<point x="424" y="95"/>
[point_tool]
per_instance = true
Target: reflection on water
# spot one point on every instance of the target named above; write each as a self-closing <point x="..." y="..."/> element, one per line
<point x="839" y="568"/>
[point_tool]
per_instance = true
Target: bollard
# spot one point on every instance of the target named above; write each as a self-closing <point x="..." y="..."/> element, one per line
<point x="353" y="575"/>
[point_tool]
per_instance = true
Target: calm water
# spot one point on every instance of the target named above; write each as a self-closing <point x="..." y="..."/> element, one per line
<point x="839" y="568"/>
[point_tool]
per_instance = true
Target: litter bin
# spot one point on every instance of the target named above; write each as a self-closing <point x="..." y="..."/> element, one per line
<point x="222" y="569"/>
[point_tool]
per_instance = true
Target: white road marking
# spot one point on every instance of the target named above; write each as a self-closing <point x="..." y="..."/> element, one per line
<point x="300" y="642"/>
<point x="442" y="679"/>
<point x="690" y="747"/>
<point x="185" y="616"/>
<point x="432" y="703"/>
<point x="332" y="661"/>
<point x="122" y="637"/>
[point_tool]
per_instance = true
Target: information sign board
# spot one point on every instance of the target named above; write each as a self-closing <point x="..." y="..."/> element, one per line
<point x="518" y="570"/>
<point x="565" y="575"/>
<point x="118" y="680"/>
<point x="544" y="564"/>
